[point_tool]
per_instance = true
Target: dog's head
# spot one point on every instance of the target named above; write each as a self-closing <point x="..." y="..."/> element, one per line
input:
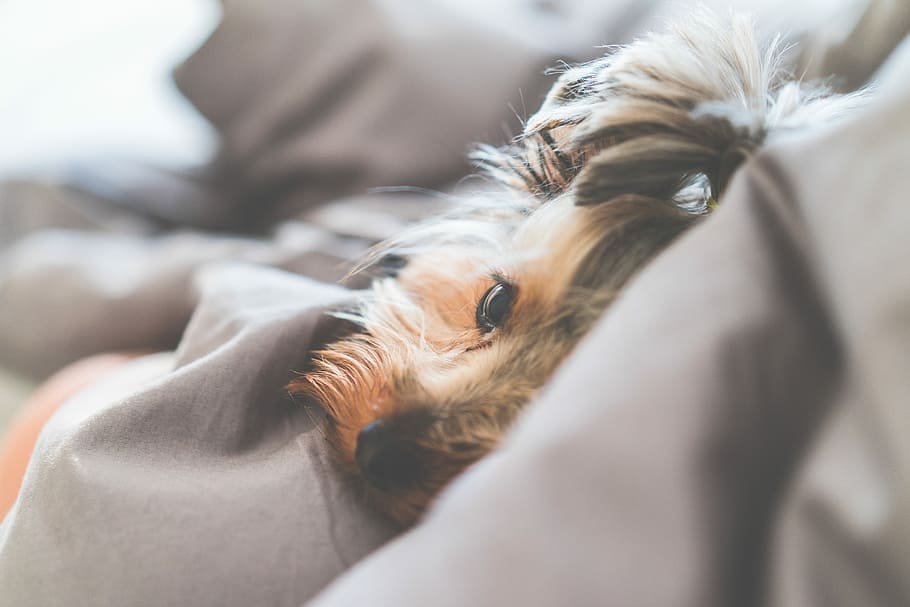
<point x="484" y="303"/>
<point x="457" y="342"/>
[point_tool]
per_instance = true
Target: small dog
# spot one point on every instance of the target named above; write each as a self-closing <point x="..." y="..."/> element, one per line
<point x="482" y="304"/>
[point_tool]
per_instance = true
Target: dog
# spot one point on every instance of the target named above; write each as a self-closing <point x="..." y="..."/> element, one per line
<point x="478" y="307"/>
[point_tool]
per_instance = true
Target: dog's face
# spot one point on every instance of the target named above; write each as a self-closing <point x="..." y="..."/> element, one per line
<point x="624" y="155"/>
<point x="454" y="345"/>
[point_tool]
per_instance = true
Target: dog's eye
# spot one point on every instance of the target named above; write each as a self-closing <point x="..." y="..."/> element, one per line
<point x="393" y="261"/>
<point x="494" y="306"/>
<point x="390" y="265"/>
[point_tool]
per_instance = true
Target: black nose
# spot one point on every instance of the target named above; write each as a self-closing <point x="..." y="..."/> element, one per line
<point x="387" y="460"/>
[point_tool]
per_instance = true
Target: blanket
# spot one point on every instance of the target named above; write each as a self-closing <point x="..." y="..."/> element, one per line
<point x="732" y="432"/>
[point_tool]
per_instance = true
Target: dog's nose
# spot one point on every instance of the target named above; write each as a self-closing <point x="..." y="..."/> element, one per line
<point x="387" y="460"/>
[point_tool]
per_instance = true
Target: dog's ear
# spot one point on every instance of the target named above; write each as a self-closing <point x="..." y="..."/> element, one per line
<point x="648" y="148"/>
<point x="649" y="119"/>
<point x="670" y="116"/>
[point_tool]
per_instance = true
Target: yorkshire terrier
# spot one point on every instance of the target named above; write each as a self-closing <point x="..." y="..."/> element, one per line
<point x="482" y="304"/>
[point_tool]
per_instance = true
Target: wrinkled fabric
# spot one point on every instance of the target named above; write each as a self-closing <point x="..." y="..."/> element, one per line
<point x="191" y="478"/>
<point x="66" y="294"/>
<point x="731" y="433"/>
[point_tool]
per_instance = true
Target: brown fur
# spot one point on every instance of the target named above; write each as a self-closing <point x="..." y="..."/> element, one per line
<point x="626" y="153"/>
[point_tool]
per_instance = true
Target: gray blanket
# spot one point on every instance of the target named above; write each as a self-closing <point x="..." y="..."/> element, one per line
<point x="190" y="479"/>
<point x="732" y="433"/>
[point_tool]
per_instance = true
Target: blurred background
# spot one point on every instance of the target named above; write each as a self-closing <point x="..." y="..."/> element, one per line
<point x="92" y="78"/>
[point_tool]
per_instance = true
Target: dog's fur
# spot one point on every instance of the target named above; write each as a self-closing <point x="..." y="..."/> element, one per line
<point x="626" y="153"/>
